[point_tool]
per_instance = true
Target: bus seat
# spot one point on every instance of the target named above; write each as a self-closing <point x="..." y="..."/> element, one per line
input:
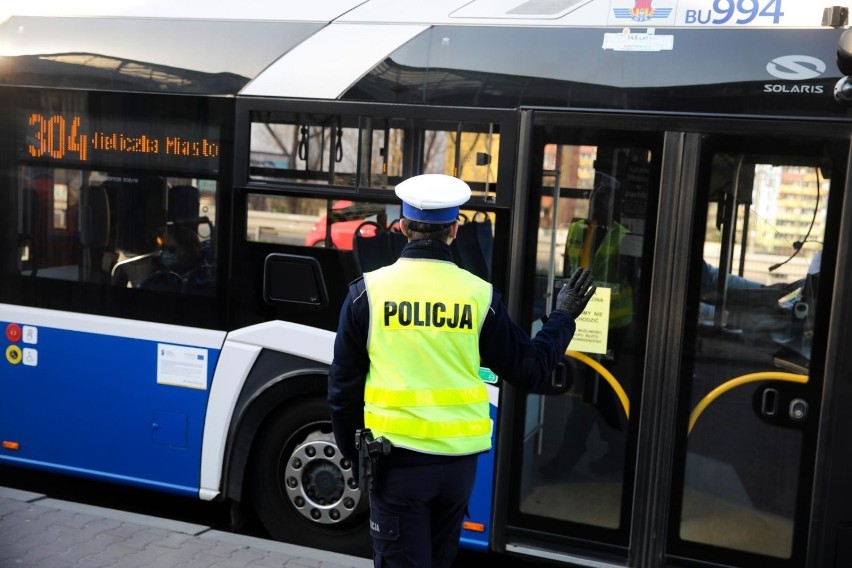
<point x="183" y="202"/>
<point x="96" y="234"/>
<point x="163" y="281"/>
<point x="397" y="239"/>
<point x="94" y="216"/>
<point x="202" y="280"/>
<point x="33" y="230"/>
<point x="140" y="212"/>
<point x="377" y="248"/>
<point x="132" y="271"/>
<point x="473" y="245"/>
<point x="41" y="208"/>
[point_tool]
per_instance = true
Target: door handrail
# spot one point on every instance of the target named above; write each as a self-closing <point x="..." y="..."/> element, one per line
<point x="604" y="372"/>
<point x="739" y="381"/>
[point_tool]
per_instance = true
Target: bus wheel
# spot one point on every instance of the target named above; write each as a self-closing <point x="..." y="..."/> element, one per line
<point x="302" y="488"/>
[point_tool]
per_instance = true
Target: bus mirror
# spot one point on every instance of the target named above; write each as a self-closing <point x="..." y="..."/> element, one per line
<point x="844" y="52"/>
<point x="843" y="91"/>
<point x="835" y="16"/>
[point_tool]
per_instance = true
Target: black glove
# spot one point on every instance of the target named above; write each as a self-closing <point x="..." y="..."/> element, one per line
<point x="576" y="293"/>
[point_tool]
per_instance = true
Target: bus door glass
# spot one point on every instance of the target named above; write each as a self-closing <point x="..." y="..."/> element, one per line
<point x="595" y="199"/>
<point x="753" y="348"/>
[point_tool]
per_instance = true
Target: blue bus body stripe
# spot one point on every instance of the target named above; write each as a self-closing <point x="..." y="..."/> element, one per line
<point x="96" y="404"/>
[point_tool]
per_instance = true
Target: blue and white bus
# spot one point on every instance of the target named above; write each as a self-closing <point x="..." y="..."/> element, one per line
<point x="187" y="188"/>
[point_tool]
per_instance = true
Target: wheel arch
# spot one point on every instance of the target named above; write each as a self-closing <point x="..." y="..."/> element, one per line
<point x="276" y="379"/>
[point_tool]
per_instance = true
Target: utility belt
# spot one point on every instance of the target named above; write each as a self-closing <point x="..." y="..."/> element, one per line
<point x="370" y="452"/>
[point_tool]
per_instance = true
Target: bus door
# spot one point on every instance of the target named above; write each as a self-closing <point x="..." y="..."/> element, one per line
<point x="753" y="354"/>
<point x="592" y="201"/>
<point x="696" y="371"/>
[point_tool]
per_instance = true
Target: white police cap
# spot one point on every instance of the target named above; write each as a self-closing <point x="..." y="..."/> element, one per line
<point x="432" y="198"/>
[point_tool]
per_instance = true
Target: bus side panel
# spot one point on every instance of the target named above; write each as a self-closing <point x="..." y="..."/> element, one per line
<point x="476" y="530"/>
<point x="129" y="408"/>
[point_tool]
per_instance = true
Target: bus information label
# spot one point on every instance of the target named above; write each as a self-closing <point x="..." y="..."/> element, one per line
<point x="593" y="324"/>
<point x="181" y="366"/>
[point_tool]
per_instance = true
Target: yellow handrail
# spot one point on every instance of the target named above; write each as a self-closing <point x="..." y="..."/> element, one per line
<point x="739" y="381"/>
<point x="613" y="382"/>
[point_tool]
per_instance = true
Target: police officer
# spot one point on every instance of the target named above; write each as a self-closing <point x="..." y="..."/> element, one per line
<point x="406" y="361"/>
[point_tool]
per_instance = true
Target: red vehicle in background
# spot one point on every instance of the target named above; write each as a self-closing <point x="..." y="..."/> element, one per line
<point x="346" y="216"/>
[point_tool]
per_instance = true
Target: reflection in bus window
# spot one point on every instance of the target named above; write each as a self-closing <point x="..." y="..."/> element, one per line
<point x="117" y="229"/>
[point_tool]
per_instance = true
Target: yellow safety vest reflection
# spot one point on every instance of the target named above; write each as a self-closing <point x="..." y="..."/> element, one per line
<point x="603" y="262"/>
<point x="423" y="389"/>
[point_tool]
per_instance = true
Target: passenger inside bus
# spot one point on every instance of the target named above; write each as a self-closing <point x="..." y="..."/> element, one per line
<point x="180" y="266"/>
<point x="709" y="279"/>
<point x="181" y="250"/>
<point x="749" y="299"/>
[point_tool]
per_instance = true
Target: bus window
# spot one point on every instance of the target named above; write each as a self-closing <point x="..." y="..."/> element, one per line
<point x="381" y="150"/>
<point x="465" y="150"/>
<point x="313" y="222"/>
<point x="367" y="152"/>
<point x="129" y="230"/>
<point x="370" y="230"/>
<point x="328" y="150"/>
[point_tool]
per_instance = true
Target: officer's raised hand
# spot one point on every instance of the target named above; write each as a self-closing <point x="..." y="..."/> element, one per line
<point x="576" y="293"/>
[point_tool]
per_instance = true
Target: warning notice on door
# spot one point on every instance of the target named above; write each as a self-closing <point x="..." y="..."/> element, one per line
<point x="181" y="366"/>
<point x="593" y="324"/>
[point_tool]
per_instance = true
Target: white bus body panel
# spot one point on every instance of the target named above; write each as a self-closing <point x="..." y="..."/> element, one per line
<point x="238" y="356"/>
<point x="347" y="52"/>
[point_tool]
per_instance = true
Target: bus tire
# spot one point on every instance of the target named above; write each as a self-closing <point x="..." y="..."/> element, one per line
<point x="302" y="489"/>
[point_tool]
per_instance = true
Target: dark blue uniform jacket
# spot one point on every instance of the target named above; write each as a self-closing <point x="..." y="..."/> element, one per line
<point x="504" y="347"/>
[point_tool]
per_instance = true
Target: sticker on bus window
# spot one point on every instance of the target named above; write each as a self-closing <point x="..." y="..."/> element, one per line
<point x="635" y="41"/>
<point x="593" y="324"/>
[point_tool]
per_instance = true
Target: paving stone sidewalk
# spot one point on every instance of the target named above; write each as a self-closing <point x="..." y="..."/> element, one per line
<point x="39" y="532"/>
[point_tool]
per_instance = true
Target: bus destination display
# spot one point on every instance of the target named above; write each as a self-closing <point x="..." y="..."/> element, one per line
<point x="75" y="138"/>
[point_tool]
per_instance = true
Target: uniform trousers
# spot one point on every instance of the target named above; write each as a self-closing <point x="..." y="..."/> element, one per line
<point x="416" y="512"/>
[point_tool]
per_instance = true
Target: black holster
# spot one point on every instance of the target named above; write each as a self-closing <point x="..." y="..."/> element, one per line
<point x="370" y="452"/>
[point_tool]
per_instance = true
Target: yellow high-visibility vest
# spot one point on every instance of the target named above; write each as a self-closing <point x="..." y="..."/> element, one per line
<point x="603" y="262"/>
<point x="423" y="390"/>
